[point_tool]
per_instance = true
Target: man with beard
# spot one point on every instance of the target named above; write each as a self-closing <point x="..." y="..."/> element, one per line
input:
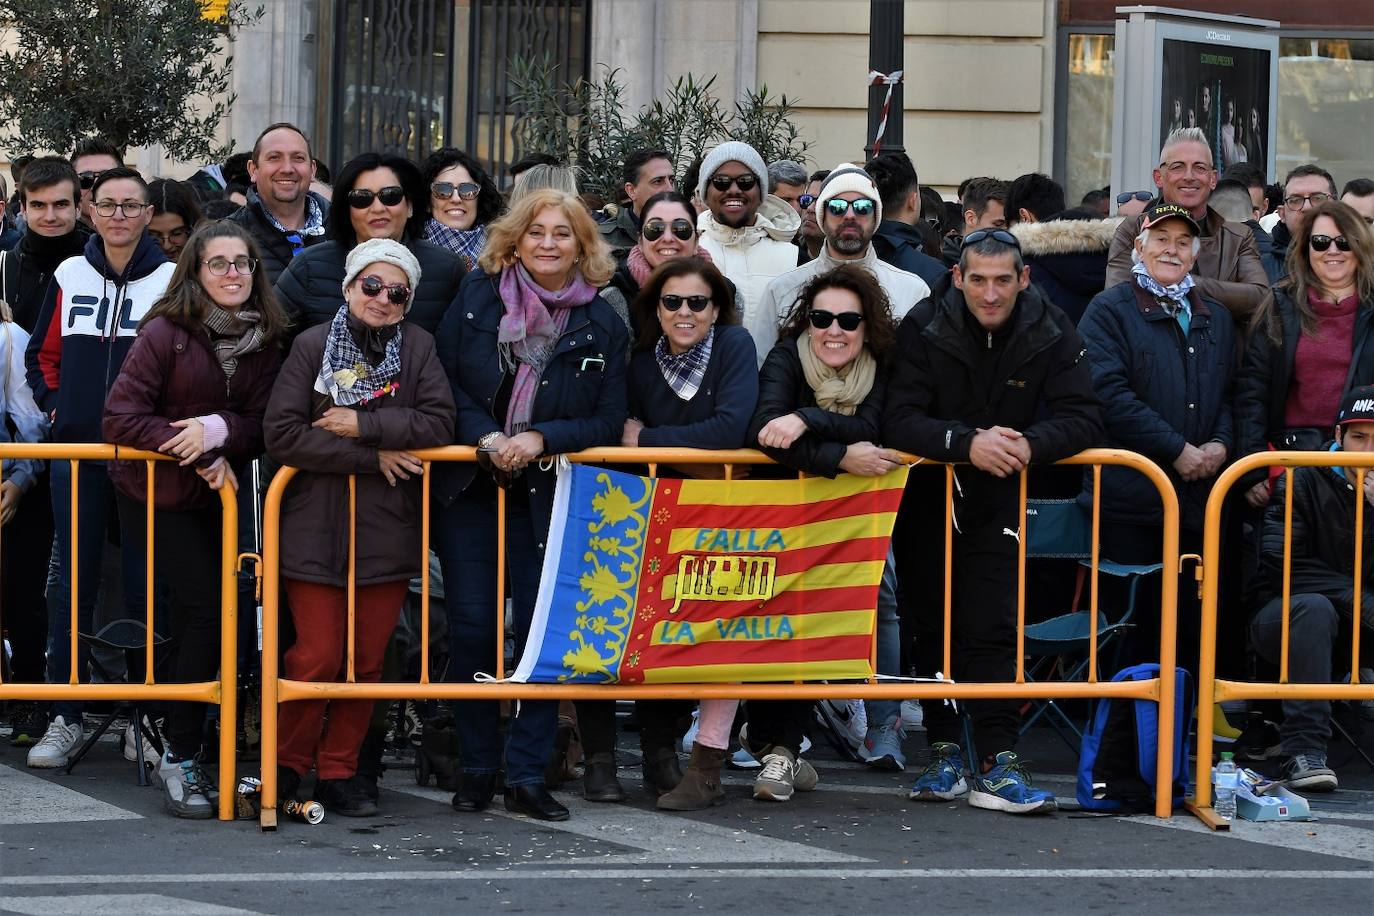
<point x="282" y="214"/>
<point x="848" y="210"/>
<point x="747" y="232"/>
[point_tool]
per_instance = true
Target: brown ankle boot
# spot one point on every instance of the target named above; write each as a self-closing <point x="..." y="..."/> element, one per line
<point x="700" y="787"/>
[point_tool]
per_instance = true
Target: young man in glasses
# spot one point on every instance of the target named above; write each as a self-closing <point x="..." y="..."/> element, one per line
<point x="848" y="210"/>
<point x="1303" y="188"/>
<point x="85" y="328"/>
<point x="282" y="214"/>
<point x="1228" y="267"/>
<point x="985" y="371"/>
<point x="747" y="231"/>
<point x="647" y="172"/>
<point x="90" y="158"/>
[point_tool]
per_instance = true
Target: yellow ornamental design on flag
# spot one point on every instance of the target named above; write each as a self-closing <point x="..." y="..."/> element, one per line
<point x="606" y="580"/>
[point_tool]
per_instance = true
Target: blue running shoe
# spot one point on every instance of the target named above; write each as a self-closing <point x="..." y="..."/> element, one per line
<point x="943" y="779"/>
<point x="1006" y="787"/>
<point x="882" y="747"/>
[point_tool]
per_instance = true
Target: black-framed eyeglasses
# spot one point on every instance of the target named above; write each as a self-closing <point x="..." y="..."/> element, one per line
<point x="806" y="200"/>
<point x="396" y="293"/>
<point x="361" y="198"/>
<point x="821" y="319"/>
<point x="1127" y="196"/>
<point x="653" y="229"/>
<point x="672" y="303"/>
<point x="179" y="234"/>
<point x="1298" y="201"/>
<point x="998" y="235"/>
<point x="836" y="206"/>
<point x="745" y="182"/>
<point x="219" y="267"/>
<point x="130" y="209"/>
<point x="88" y="179"/>
<point x="443" y="190"/>
<point x="1323" y="242"/>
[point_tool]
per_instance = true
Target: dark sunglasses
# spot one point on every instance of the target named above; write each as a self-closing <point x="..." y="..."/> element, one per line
<point x="1323" y="242"/>
<point x="861" y="207"/>
<point x="361" y="198"/>
<point x="999" y="235"/>
<point x="444" y="190"/>
<point x="745" y="182"/>
<point x="88" y="179"/>
<point x="1125" y="196"/>
<point x="849" y="321"/>
<point x="806" y="200"/>
<point x="396" y="293"/>
<point x="695" y="303"/>
<point x="653" y="230"/>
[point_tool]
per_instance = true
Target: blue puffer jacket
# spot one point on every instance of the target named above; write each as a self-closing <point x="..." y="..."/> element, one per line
<point x="1159" y="392"/>
<point x="581" y="401"/>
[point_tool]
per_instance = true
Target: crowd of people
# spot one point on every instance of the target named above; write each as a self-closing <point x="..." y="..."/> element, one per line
<point x="833" y="319"/>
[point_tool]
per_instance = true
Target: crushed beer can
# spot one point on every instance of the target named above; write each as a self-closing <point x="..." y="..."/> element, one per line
<point x="312" y="812"/>
<point x="246" y="798"/>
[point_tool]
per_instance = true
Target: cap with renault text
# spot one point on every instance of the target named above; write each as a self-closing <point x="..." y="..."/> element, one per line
<point x="1357" y="406"/>
<point x="1162" y="211"/>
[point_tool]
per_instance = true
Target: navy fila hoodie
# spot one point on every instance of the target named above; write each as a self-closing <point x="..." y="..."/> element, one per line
<point x="84" y="330"/>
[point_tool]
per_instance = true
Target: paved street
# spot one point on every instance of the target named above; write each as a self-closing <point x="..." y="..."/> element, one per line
<point x="95" y="842"/>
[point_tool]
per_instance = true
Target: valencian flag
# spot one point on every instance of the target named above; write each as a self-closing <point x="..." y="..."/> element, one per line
<point x="652" y="580"/>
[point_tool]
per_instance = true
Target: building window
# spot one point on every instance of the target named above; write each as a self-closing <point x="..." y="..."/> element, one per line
<point x="1088" y="114"/>
<point x="1326" y="106"/>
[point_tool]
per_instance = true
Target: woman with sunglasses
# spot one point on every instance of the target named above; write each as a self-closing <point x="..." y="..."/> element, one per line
<point x="355" y="397"/>
<point x="1312" y="344"/>
<point x="463" y="199"/>
<point x="175" y="215"/>
<point x="377" y="196"/>
<point x="667" y="232"/>
<point x="194" y="386"/>
<point x="536" y="358"/>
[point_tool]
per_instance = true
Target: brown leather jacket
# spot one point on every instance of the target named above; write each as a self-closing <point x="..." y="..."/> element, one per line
<point x="1228" y="267"/>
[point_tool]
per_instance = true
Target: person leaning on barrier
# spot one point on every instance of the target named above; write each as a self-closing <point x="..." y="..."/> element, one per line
<point x="1163" y="357"/>
<point x="354" y="397"/>
<point x="1312" y="344"/>
<point x="820" y="412"/>
<point x="1321" y="589"/>
<point x="984" y="371"/>
<point x="692" y="383"/>
<point x="536" y="360"/>
<point x="194" y="386"/>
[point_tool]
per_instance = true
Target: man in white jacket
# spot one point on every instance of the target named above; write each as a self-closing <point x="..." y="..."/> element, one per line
<point x="747" y="231"/>
<point x="849" y="210"/>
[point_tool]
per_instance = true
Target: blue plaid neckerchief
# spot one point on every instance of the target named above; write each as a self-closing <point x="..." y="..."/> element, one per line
<point x="1182" y="308"/>
<point x="466" y="243"/>
<point x="314" y="219"/>
<point x="344" y="371"/>
<point x="685" y="371"/>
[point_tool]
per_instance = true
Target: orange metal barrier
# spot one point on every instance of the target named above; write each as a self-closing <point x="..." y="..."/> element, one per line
<point x="277" y="690"/>
<point x="223" y="692"/>
<point x="1214" y="690"/>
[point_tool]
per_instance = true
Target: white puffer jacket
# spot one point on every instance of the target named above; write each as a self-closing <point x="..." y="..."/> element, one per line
<point x="752" y="256"/>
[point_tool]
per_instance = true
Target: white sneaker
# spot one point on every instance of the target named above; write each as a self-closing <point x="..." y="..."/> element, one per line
<point x="849" y="718"/>
<point x="186" y="789"/>
<point x="150" y="754"/>
<point x="913" y="717"/>
<point x="56" y="745"/>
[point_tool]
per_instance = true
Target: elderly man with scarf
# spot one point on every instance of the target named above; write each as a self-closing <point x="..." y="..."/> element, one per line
<point x="1163" y="360"/>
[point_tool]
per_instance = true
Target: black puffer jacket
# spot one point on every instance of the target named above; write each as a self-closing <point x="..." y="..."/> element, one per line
<point x="1068" y="259"/>
<point x="277" y="251"/>
<point x="1323" y="559"/>
<point x="311" y="289"/>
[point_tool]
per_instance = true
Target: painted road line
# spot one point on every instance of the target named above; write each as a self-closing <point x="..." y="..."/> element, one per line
<point x="29" y="799"/>
<point x="143" y="904"/>
<point x="693" y="872"/>
<point x="661" y="839"/>
<point x="1320" y="837"/>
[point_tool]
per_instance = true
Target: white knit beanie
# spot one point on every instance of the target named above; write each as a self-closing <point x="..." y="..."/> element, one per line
<point x="732" y="151"/>
<point x="848" y="177"/>
<point x="385" y="251"/>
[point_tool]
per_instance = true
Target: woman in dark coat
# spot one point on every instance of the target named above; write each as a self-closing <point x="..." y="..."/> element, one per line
<point x="353" y="398"/>
<point x="537" y="362"/>
<point x="206" y="356"/>
<point x="377" y="196"/>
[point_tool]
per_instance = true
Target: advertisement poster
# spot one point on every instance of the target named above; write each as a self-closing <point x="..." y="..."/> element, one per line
<point x="1224" y="91"/>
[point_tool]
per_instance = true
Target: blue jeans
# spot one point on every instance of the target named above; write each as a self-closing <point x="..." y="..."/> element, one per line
<point x="467" y="553"/>
<point x="881" y="712"/>
<point x="96" y="516"/>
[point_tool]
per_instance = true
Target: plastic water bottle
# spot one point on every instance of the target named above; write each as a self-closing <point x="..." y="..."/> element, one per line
<point x="1225" y="779"/>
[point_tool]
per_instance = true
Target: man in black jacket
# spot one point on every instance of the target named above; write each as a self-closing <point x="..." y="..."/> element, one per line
<point x="1322" y="596"/>
<point x="986" y="372"/>
<point x="282" y="214"/>
<point x="49" y="197"/>
<point x="897" y="242"/>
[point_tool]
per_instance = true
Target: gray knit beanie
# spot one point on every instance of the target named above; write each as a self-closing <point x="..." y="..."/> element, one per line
<point x="385" y="251"/>
<point x="732" y="151"/>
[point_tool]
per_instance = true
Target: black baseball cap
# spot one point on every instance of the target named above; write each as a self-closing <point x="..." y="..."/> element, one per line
<point x="1357" y="406"/>
<point x="1162" y="211"/>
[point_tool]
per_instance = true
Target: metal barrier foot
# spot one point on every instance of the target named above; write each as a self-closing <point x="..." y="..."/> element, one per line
<point x="1208" y="816"/>
<point x="267" y="820"/>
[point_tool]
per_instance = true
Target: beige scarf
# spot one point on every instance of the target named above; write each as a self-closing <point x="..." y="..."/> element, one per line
<point x="838" y="390"/>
